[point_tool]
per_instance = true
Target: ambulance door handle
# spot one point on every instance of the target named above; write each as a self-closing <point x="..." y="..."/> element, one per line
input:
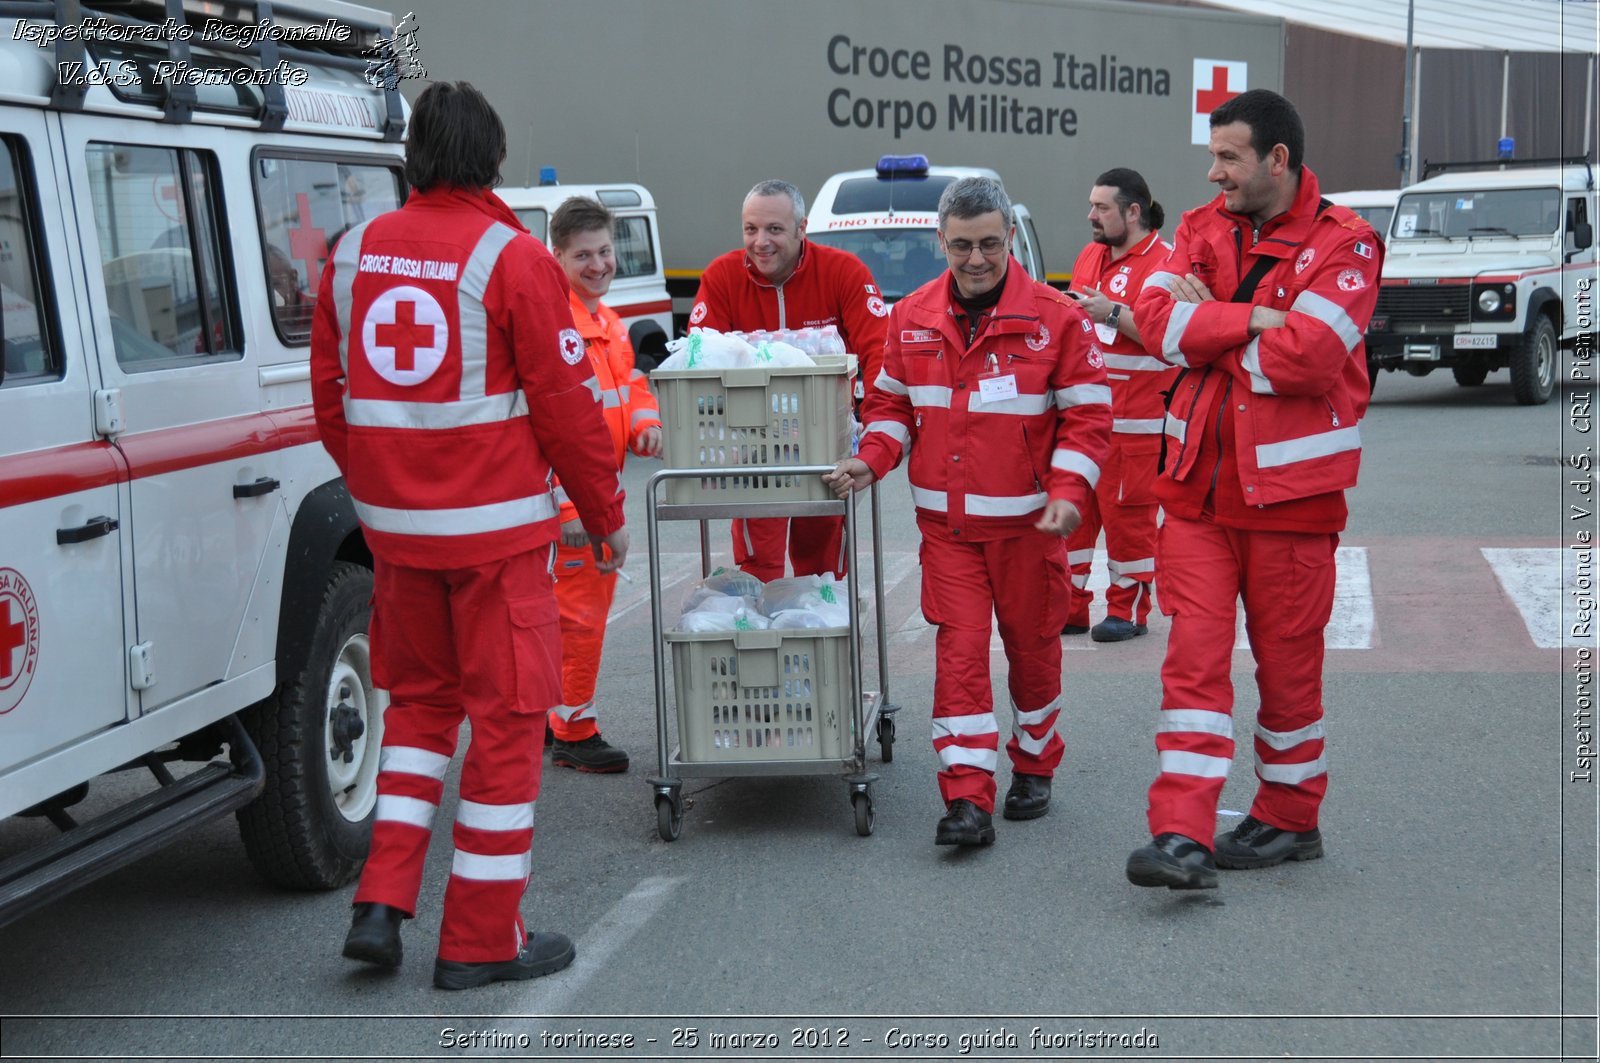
<point x="96" y="527"/>
<point x="264" y="486"/>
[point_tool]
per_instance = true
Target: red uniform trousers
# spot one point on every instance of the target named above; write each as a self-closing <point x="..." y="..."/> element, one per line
<point x="584" y="594"/>
<point x="1124" y="505"/>
<point x="480" y="644"/>
<point x="1016" y="580"/>
<point x="1286" y="580"/>
<point x="816" y="546"/>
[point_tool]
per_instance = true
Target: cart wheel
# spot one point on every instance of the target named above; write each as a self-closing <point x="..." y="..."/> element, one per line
<point x="669" y="820"/>
<point x="865" y="814"/>
<point x="886" y="738"/>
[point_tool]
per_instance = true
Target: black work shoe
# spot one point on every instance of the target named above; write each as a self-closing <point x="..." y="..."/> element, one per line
<point x="1173" y="861"/>
<point x="593" y="754"/>
<point x="374" y="934"/>
<point x="964" y="824"/>
<point x="1116" y="629"/>
<point x="541" y="954"/>
<point x="1256" y="844"/>
<point x="1074" y="629"/>
<point x="1028" y="798"/>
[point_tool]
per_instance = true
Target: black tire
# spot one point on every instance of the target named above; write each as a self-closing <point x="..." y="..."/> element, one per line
<point x="1372" y="377"/>
<point x="312" y="825"/>
<point x="1533" y="365"/>
<point x="886" y="738"/>
<point x="866" y="815"/>
<point x="1470" y="376"/>
<point x="669" y="821"/>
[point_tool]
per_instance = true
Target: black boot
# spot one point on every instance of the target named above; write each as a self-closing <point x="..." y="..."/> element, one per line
<point x="541" y="954"/>
<point x="1256" y="844"/>
<point x="374" y="934"/>
<point x="1173" y="861"/>
<point x="1028" y="798"/>
<point x="965" y="824"/>
<point x="592" y="754"/>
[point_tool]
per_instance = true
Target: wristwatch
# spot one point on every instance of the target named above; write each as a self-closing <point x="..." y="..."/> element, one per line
<point x="1111" y="318"/>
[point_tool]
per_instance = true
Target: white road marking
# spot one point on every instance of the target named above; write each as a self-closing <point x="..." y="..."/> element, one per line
<point x="1353" y="622"/>
<point x="556" y="993"/>
<point x="675" y="568"/>
<point x="1536" y="581"/>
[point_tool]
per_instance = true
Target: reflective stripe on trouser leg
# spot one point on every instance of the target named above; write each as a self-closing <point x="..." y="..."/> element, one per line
<point x="1194" y="738"/>
<point x="1288" y="598"/>
<point x="584" y="595"/>
<point x="1028" y="571"/>
<point x="1080" y="556"/>
<point x="508" y="633"/>
<point x="1128" y="510"/>
<point x="956" y="600"/>
<point x="816" y="546"/>
<point x="758" y="546"/>
<point x="413" y="651"/>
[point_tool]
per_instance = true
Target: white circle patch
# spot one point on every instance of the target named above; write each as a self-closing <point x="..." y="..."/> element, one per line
<point x="698" y="314"/>
<point x="1352" y="280"/>
<point x="1096" y="359"/>
<point x="405" y="335"/>
<point x="19" y="638"/>
<point x="571" y="345"/>
<point x="875" y="305"/>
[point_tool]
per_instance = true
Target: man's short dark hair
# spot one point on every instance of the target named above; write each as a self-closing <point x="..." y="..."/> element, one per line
<point x="1131" y="189"/>
<point x="454" y="138"/>
<point x="1272" y="120"/>
<point x="580" y="214"/>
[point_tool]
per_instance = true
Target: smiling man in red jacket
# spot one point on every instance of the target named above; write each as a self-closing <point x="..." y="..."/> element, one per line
<point x="448" y="383"/>
<point x="1263" y="303"/>
<point x="993" y="383"/>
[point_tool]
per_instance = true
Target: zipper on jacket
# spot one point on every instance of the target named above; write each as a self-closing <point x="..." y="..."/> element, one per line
<point x="781" y="314"/>
<point x="1027" y="445"/>
<point x="1222" y="411"/>
<point x="1333" y="414"/>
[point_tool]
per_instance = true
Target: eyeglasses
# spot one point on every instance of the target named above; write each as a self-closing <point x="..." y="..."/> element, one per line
<point x="989" y="247"/>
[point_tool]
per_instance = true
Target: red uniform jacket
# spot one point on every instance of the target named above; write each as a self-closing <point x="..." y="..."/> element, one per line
<point x="448" y="382"/>
<point x="986" y="468"/>
<point x="828" y="287"/>
<point x="1138" y="407"/>
<point x="1288" y="402"/>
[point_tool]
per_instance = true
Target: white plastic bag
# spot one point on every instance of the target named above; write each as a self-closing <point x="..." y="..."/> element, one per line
<point x="797" y="619"/>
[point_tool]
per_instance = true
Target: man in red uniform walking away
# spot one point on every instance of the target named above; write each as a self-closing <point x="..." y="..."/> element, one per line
<point x="448" y="383"/>
<point x="1263" y="303"/>
<point x="780" y="280"/>
<point x="580" y="235"/>
<point x="995" y="385"/>
<point x="1127" y="246"/>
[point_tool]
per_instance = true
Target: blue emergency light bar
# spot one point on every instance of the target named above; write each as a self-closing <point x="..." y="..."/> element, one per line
<point x="892" y="166"/>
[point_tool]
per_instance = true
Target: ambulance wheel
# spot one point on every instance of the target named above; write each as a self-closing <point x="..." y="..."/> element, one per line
<point x="866" y="815"/>
<point x="669" y="820"/>
<point x="319" y="738"/>
<point x="1470" y="376"/>
<point x="1533" y="365"/>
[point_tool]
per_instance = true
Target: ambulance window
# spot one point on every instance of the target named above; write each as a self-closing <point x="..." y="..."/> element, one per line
<point x="156" y="214"/>
<point x="537" y="221"/>
<point x="30" y="357"/>
<point x="636" y="255"/>
<point x="304" y="205"/>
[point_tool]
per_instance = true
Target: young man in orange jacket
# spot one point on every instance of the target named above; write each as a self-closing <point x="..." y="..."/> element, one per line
<point x="581" y="233"/>
<point x="1263" y="302"/>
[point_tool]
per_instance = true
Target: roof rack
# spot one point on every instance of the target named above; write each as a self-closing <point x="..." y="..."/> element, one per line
<point x="371" y="37"/>
<point x="1431" y="168"/>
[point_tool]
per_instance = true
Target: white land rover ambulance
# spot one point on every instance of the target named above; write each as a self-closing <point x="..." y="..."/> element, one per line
<point x="639" y="291"/>
<point x="182" y="579"/>
<point x="888" y="217"/>
<point x="1482" y="273"/>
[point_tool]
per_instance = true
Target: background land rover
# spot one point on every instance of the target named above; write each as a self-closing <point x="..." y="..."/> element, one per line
<point x="1481" y="274"/>
<point x="888" y="217"/>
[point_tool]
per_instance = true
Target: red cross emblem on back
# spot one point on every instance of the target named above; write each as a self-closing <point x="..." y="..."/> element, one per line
<point x="405" y="336"/>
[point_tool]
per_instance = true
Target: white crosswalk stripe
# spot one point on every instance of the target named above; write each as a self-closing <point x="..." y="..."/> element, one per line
<point x="1536" y="580"/>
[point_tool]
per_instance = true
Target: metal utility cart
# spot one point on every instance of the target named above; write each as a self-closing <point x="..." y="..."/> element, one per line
<point x="762" y="702"/>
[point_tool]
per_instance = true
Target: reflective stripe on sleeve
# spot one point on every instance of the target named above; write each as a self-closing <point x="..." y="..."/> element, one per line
<point x="893" y="429"/>
<point x="1162" y="280"/>
<point x="1321" y="445"/>
<point x="1331" y="314"/>
<point x="481" y="868"/>
<point x="1251" y="361"/>
<point x="885" y="382"/>
<point x="1177" y="324"/>
<point x="409" y="760"/>
<point x="1291" y="774"/>
<point x="1176" y="427"/>
<point x="1139" y="363"/>
<point x="345" y="261"/>
<point x="1072" y="461"/>
<point x="412" y="811"/>
<point x="1083" y="395"/>
<point x="480" y="816"/>
<point x="467" y="520"/>
<point x="641" y="416"/>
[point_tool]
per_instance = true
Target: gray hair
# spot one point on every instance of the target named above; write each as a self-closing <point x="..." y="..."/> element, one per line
<point x="780" y="188"/>
<point x="972" y="196"/>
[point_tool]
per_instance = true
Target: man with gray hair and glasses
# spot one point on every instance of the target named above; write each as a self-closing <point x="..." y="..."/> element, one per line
<point x="995" y="386"/>
<point x="780" y="280"/>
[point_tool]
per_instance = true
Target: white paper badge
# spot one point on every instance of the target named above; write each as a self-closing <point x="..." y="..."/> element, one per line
<point x="997" y="388"/>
